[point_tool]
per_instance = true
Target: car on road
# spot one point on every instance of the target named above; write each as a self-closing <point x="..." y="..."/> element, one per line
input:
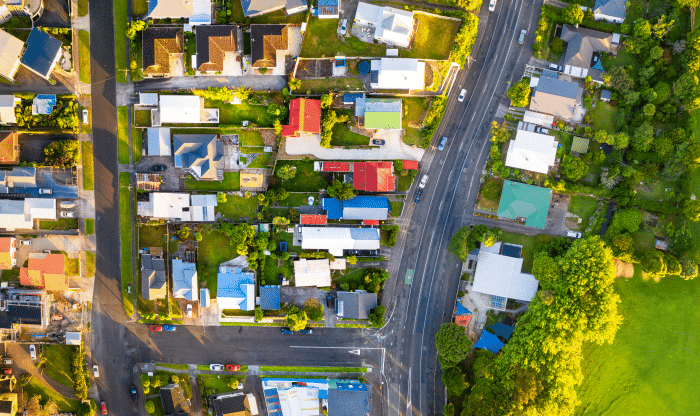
<point x="344" y="27"/>
<point x="555" y="67"/>
<point x="159" y="168"/>
<point x="573" y="234"/>
<point x="492" y="6"/>
<point x="32" y="351"/>
<point x="216" y="367"/>
<point x="68" y="204"/>
<point x="155" y="328"/>
<point x="169" y="328"/>
<point x="521" y="39"/>
<point x="462" y="94"/>
<point x="442" y="144"/>
<point x="95" y="371"/>
<point x="378" y="142"/>
<point x="128" y="288"/>
<point x="189" y="311"/>
<point x="67" y="214"/>
<point x="418" y="194"/>
<point x="287" y="331"/>
<point x="306" y="331"/>
<point x="134" y="394"/>
<point x="26" y="242"/>
<point x="85" y="116"/>
<point x="104" y="408"/>
<point x="423" y="181"/>
<point x="45" y="191"/>
<point x="7" y="361"/>
<point x="233" y="367"/>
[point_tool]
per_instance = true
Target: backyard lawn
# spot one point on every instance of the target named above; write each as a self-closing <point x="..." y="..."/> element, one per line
<point x="623" y="58"/>
<point x="306" y="180"/>
<point x="58" y="363"/>
<point x="272" y="270"/>
<point x="84" y="42"/>
<point x="414" y="110"/>
<point x="650" y="369"/>
<point x="231" y="182"/>
<point x="142" y="118"/>
<point x="528" y="243"/>
<point x="123" y="134"/>
<point x="126" y="240"/>
<point x="603" y="116"/>
<point x="214" y="249"/>
<point x="296" y="199"/>
<point x="139" y="7"/>
<point x="260" y="161"/>
<point x="120" y="14"/>
<point x="342" y="136"/>
<point x="152" y="236"/>
<point x="434" y="37"/>
<point x="250" y="141"/>
<point x="235" y="114"/>
<point x="323" y="85"/>
<point x="88" y="173"/>
<point x="584" y="207"/>
<point x="37" y="388"/>
<point x="320" y="40"/>
<point x="237" y="207"/>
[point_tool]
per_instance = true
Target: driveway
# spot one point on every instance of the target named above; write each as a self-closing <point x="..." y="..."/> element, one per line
<point x="55" y="14"/>
<point x="256" y="82"/>
<point x="72" y="245"/>
<point x="171" y="177"/>
<point x="556" y="219"/>
<point x="393" y="149"/>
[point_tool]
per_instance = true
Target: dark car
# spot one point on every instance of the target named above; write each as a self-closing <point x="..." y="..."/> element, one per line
<point x="134" y="394"/>
<point x="159" y="168"/>
<point x="352" y="252"/>
<point x="329" y="301"/>
<point x="306" y="331"/>
<point x="378" y="142"/>
<point x="169" y="327"/>
<point x="286" y="331"/>
<point x="418" y="194"/>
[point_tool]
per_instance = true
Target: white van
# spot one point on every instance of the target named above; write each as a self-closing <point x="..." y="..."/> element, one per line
<point x="492" y="6"/>
<point x="85" y="116"/>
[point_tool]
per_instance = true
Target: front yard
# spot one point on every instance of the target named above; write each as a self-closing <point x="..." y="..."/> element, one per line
<point x="231" y="182"/>
<point x="434" y="37"/>
<point x="321" y="41"/>
<point x="342" y="136"/>
<point x="59" y="224"/>
<point x="58" y="363"/>
<point x="414" y="110"/>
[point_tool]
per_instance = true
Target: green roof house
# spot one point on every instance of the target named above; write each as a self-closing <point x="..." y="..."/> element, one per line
<point x="379" y="113"/>
<point x="525" y="203"/>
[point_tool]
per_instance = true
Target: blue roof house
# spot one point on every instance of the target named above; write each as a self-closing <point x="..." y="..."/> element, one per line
<point x="42" y="53"/>
<point x="200" y="155"/>
<point x="349" y="398"/>
<point x="184" y="280"/>
<point x="270" y="298"/>
<point x="235" y="289"/>
<point x="43" y="104"/>
<point x="357" y="208"/>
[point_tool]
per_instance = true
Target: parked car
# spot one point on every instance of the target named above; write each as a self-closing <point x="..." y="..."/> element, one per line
<point x="189" y="311"/>
<point x="7" y="361"/>
<point x="521" y="39"/>
<point x="95" y="371"/>
<point x="155" y="328"/>
<point x="306" y="331"/>
<point x="418" y="194"/>
<point x="540" y="129"/>
<point x="442" y="144"/>
<point x="26" y="242"/>
<point x="169" y="328"/>
<point x="104" y="408"/>
<point x="286" y="331"/>
<point x="67" y="204"/>
<point x="329" y="301"/>
<point x="85" y="116"/>
<point x="7" y="370"/>
<point x="233" y="367"/>
<point x="555" y="67"/>
<point x="462" y="94"/>
<point x="378" y="142"/>
<point x="134" y="394"/>
<point x="216" y="367"/>
<point x="573" y="234"/>
<point x="57" y="317"/>
<point x="344" y="27"/>
<point x="492" y="6"/>
<point x="128" y="288"/>
<point x="45" y="191"/>
<point x="159" y="168"/>
<point x="67" y="214"/>
<point x="423" y="181"/>
<point x="32" y="351"/>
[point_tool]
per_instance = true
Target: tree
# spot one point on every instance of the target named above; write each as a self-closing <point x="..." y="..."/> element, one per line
<point x="454" y="381"/>
<point x="688" y="3"/>
<point x="626" y="220"/>
<point x="326" y="101"/>
<point x="150" y="407"/>
<point x="656" y="53"/>
<point x="198" y="236"/>
<point x="277" y="125"/>
<point x="546" y="270"/>
<point x="87" y="408"/>
<point x="449" y="410"/>
<point x="649" y="109"/>
<point x="485" y="235"/>
<point x="623" y="242"/>
<point x="619" y="80"/>
<point x="221" y="197"/>
<point x="341" y="191"/>
<point x="133" y="28"/>
<point x="62" y="153"/>
<point x="643" y="137"/>
<point x="314" y="311"/>
<point x="452" y="344"/>
<point x="374" y="279"/>
<point x="276" y="111"/>
<point x="286" y="172"/>
<point x="460" y="244"/>
<point x="573" y="168"/>
<point x="653" y="264"/>
<point x="689" y="270"/>
<point x="294" y="84"/>
<point x="183" y="232"/>
<point x="376" y="316"/>
<point x="392" y="233"/>
<point x="280" y="223"/>
<point x="296" y="319"/>
<point x="492" y="190"/>
<point x="519" y="93"/>
<point x="572" y="14"/>
<point x="351" y="260"/>
<point x="691" y="209"/>
<point x="692" y="156"/>
<point x="684" y="87"/>
<point x="258" y="314"/>
<point x="330" y="118"/>
<point x="242" y="93"/>
<point x="673" y="266"/>
<point x="233" y="383"/>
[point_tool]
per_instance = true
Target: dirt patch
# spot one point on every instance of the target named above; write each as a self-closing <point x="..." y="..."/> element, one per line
<point x="269" y="137"/>
<point x="314" y="68"/>
<point x="623" y="269"/>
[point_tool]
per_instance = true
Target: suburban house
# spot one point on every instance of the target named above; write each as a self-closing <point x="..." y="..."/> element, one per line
<point x="532" y="151"/>
<point x="312" y="273"/>
<point x="332" y="167"/>
<point x="8" y="253"/>
<point x="148" y="99"/>
<point x="397" y="74"/>
<point x="374" y="176"/>
<point x="197" y="12"/>
<point x="584" y="48"/>
<point x="184" y="280"/>
<point x="21" y="213"/>
<point x="357" y="208"/>
<point x="328" y="9"/>
<point x="173" y="400"/>
<point x="355" y="305"/>
<point x="252" y="8"/>
<point x="178" y="207"/>
<point x="270" y="44"/>
<point x="42" y="53"/>
<point x="20" y="8"/>
<point x="304" y="117"/>
<point x="217" y="50"/>
<point x="499" y="276"/>
<point x="153" y="278"/>
<point x="43" y="104"/>
<point x="234" y="404"/>
<point x="391" y="26"/>
<point x="270" y="298"/>
<point x="8" y="399"/>
<point x="9" y="148"/>
<point x="177" y="109"/>
<point x="11" y="50"/>
<point x="379" y="113"/>
<point x="200" y="155"/>
<point x="336" y="239"/>
<point x="297" y="396"/>
<point x="525" y="203"/>
<point x="7" y="109"/>
<point x="610" y="10"/>
<point x="538" y="119"/>
<point x="313" y="219"/>
<point x="45" y="270"/>
<point x="562" y="99"/>
<point x="235" y="289"/>
<point x="162" y="51"/>
<point x="158" y="141"/>
<point x="24" y="307"/>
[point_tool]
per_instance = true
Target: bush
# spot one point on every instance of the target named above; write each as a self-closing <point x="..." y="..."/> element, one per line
<point x="376" y="316"/>
<point x="519" y="93"/>
<point x="150" y="407"/>
<point x="392" y="234"/>
<point x="492" y="190"/>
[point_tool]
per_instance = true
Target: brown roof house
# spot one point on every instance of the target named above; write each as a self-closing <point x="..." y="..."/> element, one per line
<point x="162" y="52"/>
<point x="217" y="50"/>
<point x="9" y="148"/>
<point x="270" y="44"/>
<point x="173" y="399"/>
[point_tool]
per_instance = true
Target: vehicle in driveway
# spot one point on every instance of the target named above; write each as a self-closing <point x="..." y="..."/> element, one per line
<point x="573" y="234"/>
<point x="7" y="370"/>
<point x="542" y="130"/>
<point x="67" y="214"/>
<point x="189" y="310"/>
<point x="26" y="242"/>
<point x="442" y="144"/>
<point x="32" y="351"/>
<point x="344" y="27"/>
<point x="462" y="94"/>
<point x="423" y="181"/>
<point x="155" y="328"/>
<point x="418" y="195"/>
<point x="233" y="367"/>
<point x="169" y="328"/>
<point x="45" y="191"/>
<point x="134" y="394"/>
<point x="68" y="204"/>
<point x="286" y="331"/>
<point x="216" y="367"/>
<point x="521" y="39"/>
<point x="329" y="301"/>
<point x="95" y="371"/>
<point x="492" y="6"/>
<point x="555" y="67"/>
<point x="306" y="331"/>
<point x="104" y="408"/>
<point x="159" y="168"/>
<point x="378" y="142"/>
<point x="85" y="116"/>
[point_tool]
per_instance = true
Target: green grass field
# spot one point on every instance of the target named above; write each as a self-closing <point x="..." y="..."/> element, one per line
<point x="37" y="388"/>
<point x="120" y="15"/>
<point x="306" y="180"/>
<point x="342" y="136"/>
<point x="272" y="270"/>
<point x="323" y="85"/>
<point x="123" y="134"/>
<point x="414" y="109"/>
<point x="584" y="207"/>
<point x="59" y="224"/>
<point x="320" y="40"/>
<point x="58" y="363"/>
<point x="260" y="160"/>
<point x="603" y="116"/>
<point x="231" y="182"/>
<point x="650" y="369"/>
<point x="89" y="226"/>
<point x="434" y="38"/>
<point x="125" y="230"/>
<point x="84" y="50"/>
<point x="237" y="207"/>
<point x="88" y="172"/>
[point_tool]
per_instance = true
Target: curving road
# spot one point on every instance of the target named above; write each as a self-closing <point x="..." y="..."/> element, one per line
<point x="406" y="378"/>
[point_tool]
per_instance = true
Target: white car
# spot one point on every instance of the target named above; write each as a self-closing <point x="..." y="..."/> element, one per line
<point x="45" y="191"/>
<point x="67" y="204"/>
<point x="26" y="242"/>
<point x="423" y="181"/>
<point x="189" y="310"/>
<point x="67" y="214"/>
<point x="95" y="371"/>
<point x="492" y="6"/>
<point x="216" y="367"/>
<point x="32" y="351"/>
<point x="344" y="27"/>
<point x="462" y="94"/>
<point x="573" y="234"/>
<point x="85" y="116"/>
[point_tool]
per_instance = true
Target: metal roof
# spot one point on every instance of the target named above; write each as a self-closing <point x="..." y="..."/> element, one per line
<point x="519" y="200"/>
<point x="614" y="8"/>
<point x="235" y="289"/>
<point x="270" y="298"/>
<point x="184" y="280"/>
<point x="41" y="52"/>
<point x="158" y="141"/>
<point x="356" y="305"/>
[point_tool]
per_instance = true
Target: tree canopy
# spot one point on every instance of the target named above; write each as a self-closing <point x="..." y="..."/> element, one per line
<point x="341" y="191"/>
<point x="519" y="93"/>
<point x="452" y="344"/>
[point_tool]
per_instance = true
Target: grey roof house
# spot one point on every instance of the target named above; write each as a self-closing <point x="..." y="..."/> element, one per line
<point x="158" y="141"/>
<point x="610" y="10"/>
<point x="199" y="155"/>
<point x="184" y="280"/>
<point x="355" y="305"/>
<point x="556" y="97"/>
<point x="173" y="399"/>
<point x="152" y="278"/>
<point x="257" y="7"/>
<point x="584" y="47"/>
<point x="42" y="53"/>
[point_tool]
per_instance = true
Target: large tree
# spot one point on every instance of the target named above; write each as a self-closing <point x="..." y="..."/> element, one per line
<point x="452" y="344"/>
<point x="341" y="191"/>
<point x="454" y="381"/>
<point x="519" y="93"/>
<point x="573" y="168"/>
<point x="296" y="319"/>
<point x="626" y="220"/>
<point x="460" y="244"/>
<point x="572" y="14"/>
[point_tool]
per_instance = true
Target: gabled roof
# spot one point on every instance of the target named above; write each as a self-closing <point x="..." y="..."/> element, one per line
<point x="266" y="40"/>
<point x="9" y="148"/>
<point x="614" y="8"/>
<point x="45" y="270"/>
<point x="304" y="117"/>
<point x="7" y="252"/>
<point x="337" y="239"/>
<point x="270" y="298"/>
<point x="254" y="7"/>
<point x="374" y="176"/>
<point x="519" y="200"/>
<point x="199" y="154"/>
<point x="11" y="50"/>
<point x="581" y="43"/>
<point x="357" y="208"/>
<point x="335" y="167"/>
<point x="309" y="219"/>
<point x="556" y="97"/>
<point x="41" y="53"/>
<point x="173" y="399"/>
<point x="500" y="275"/>
<point x="184" y="280"/>
<point x="152" y="278"/>
<point x="312" y="273"/>
<point x="532" y="151"/>
<point x="213" y="44"/>
<point x="159" y="45"/>
<point x="235" y="289"/>
<point x="355" y="305"/>
<point x="158" y="141"/>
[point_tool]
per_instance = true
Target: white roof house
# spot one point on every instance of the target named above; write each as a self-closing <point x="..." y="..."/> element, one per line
<point x="392" y="26"/>
<point x="73" y="338"/>
<point x="184" y="280"/>
<point x="532" y="151"/>
<point x="7" y="109"/>
<point x="202" y="207"/>
<point x="178" y="206"/>
<point x="397" y="74"/>
<point x="197" y="11"/>
<point x="501" y="276"/>
<point x="11" y="50"/>
<point x="158" y="141"/>
<point x="180" y="108"/>
<point x="337" y="239"/>
<point x="538" y="118"/>
<point x="148" y="99"/>
<point x="312" y="273"/>
<point x="20" y="214"/>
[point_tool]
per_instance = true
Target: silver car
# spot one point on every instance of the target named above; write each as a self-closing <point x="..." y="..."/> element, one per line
<point x="521" y="39"/>
<point x="67" y="204"/>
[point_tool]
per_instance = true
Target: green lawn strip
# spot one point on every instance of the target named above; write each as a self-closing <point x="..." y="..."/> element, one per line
<point x="123" y="134"/>
<point x="238" y="207"/>
<point x="89" y="226"/>
<point x="260" y="161"/>
<point x="84" y="50"/>
<point x="136" y="143"/>
<point x="125" y="230"/>
<point x="139" y="7"/>
<point x="10" y="274"/>
<point x="396" y="208"/>
<point x="58" y="363"/>
<point x="306" y="180"/>
<point x="174" y="366"/>
<point x="214" y="249"/>
<point x="353" y="325"/>
<point x="231" y="182"/>
<point x="90" y="263"/>
<point x="528" y="244"/>
<point x="342" y="136"/>
<point x="82" y="8"/>
<point x="320" y="40"/>
<point x="253" y="324"/>
<point x="59" y="224"/>
<point x="315" y="369"/>
<point x="120" y="15"/>
<point x="37" y="388"/>
<point x="433" y="38"/>
<point x="603" y="116"/>
<point x="235" y="114"/>
<point x="88" y="171"/>
<point x="320" y="86"/>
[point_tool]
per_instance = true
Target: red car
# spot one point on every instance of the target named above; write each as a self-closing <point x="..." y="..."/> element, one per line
<point x="233" y="367"/>
<point x="156" y="328"/>
<point x="104" y="408"/>
<point x="7" y="370"/>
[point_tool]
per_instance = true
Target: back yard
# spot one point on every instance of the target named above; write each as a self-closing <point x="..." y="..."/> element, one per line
<point x="320" y="40"/>
<point x="434" y="37"/>
<point x="214" y="249"/>
<point x="342" y="136"/>
<point x="235" y="114"/>
<point x="231" y="182"/>
<point x="306" y="180"/>
<point x="237" y="207"/>
<point x="603" y="117"/>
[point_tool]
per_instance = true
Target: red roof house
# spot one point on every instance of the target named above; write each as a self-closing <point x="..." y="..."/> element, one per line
<point x="335" y="167"/>
<point x="306" y="219"/>
<point x="374" y="176"/>
<point x="304" y="117"/>
<point x="410" y="165"/>
<point x="47" y="272"/>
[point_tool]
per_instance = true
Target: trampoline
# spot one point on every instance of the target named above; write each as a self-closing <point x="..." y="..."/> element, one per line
<point x="363" y="67"/>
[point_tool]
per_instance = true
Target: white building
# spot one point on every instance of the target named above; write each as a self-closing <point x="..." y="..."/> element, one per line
<point x="610" y="10"/>
<point x="184" y="280"/>
<point x="7" y="109"/>
<point x="532" y="151"/>
<point x="158" y="141"/>
<point x="198" y="12"/>
<point x="20" y="214"/>
<point x="178" y="207"/>
<point x="11" y="50"/>
<point x="337" y="239"/>
<point x="178" y="109"/>
<point x="397" y="74"/>
<point x="312" y="273"/>
<point x="391" y="26"/>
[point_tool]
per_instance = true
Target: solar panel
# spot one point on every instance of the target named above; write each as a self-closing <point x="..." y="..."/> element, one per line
<point x="498" y="302"/>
